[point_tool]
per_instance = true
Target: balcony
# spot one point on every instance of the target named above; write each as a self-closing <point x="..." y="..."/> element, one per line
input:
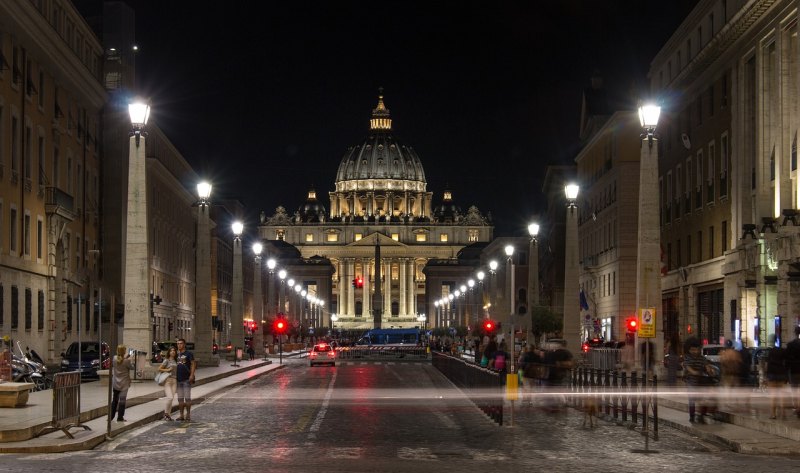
<point x="57" y="202"/>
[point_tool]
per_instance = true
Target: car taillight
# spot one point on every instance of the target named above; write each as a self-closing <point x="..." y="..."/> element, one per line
<point x="331" y="353"/>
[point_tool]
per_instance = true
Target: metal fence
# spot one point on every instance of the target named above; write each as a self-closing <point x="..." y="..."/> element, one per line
<point x="66" y="404"/>
<point x="382" y="352"/>
<point x="629" y="399"/>
<point x="483" y="386"/>
<point x="604" y="358"/>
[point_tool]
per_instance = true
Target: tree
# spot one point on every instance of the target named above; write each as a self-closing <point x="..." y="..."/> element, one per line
<point x="544" y="321"/>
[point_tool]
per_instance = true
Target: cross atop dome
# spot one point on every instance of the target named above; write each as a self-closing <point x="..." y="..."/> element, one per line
<point x="380" y="115"/>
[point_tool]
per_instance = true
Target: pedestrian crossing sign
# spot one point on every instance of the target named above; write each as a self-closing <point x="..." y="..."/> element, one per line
<point x="647" y="322"/>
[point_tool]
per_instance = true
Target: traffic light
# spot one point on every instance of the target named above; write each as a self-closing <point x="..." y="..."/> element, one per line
<point x="359" y="282"/>
<point x="279" y="326"/>
<point x="585" y="347"/>
<point x="632" y="324"/>
<point x="489" y="326"/>
<point x="353" y="282"/>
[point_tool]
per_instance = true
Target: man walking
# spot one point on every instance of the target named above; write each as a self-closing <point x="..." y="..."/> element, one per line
<point x="793" y="366"/>
<point x="185" y="378"/>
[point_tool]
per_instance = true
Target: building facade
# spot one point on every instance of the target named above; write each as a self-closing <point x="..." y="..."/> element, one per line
<point x="729" y="172"/>
<point x="382" y="228"/>
<point x="51" y="98"/>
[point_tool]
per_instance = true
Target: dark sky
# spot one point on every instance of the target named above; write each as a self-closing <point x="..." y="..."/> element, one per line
<point x="264" y="98"/>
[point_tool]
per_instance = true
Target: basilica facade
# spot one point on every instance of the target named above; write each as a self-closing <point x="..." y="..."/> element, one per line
<point x="381" y="228"/>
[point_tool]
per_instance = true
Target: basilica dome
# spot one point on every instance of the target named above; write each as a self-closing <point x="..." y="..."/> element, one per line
<point x="380" y="162"/>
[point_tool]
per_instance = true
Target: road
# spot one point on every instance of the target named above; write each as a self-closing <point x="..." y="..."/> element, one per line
<point x="381" y="417"/>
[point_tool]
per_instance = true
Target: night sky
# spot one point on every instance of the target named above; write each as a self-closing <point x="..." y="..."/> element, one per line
<point x="263" y="98"/>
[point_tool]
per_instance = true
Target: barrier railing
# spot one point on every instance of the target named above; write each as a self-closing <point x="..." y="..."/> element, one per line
<point x="604" y="358"/>
<point x="618" y="396"/>
<point x="382" y="352"/>
<point x="66" y="404"/>
<point x="483" y="386"/>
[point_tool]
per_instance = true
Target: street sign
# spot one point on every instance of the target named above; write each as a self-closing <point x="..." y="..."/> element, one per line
<point x="647" y="322"/>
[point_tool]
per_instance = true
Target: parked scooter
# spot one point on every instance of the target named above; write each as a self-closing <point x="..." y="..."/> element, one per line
<point x="30" y="368"/>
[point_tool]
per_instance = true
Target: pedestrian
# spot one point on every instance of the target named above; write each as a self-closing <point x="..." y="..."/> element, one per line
<point x="120" y="382"/>
<point x="477" y="348"/>
<point x="776" y="378"/>
<point x="170" y="365"/>
<point x="730" y="362"/>
<point x="185" y="379"/>
<point x="699" y="374"/>
<point x="673" y="359"/>
<point x="500" y="359"/>
<point x="487" y="360"/>
<point x="793" y="365"/>
<point x="251" y="351"/>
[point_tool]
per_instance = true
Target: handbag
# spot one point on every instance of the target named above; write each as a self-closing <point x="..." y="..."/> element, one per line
<point x="161" y="377"/>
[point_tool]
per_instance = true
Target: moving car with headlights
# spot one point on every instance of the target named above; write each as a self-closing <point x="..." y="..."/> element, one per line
<point x="322" y="353"/>
<point x="92" y="358"/>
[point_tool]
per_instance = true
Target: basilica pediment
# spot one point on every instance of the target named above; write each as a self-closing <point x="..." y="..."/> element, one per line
<point x="372" y="238"/>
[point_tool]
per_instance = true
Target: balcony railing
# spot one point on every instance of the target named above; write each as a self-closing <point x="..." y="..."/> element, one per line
<point x="59" y="202"/>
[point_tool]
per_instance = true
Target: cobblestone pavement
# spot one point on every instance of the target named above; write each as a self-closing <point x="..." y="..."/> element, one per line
<point x="382" y="417"/>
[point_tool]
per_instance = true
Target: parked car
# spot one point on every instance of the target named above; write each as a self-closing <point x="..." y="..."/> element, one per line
<point x="322" y="353"/>
<point x="711" y="352"/>
<point x="92" y="358"/>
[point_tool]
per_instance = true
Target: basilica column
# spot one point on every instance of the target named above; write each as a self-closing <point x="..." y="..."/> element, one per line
<point x="351" y="302"/>
<point x="403" y="288"/>
<point x="370" y="204"/>
<point x="411" y="293"/>
<point x="366" y="304"/>
<point x="418" y="205"/>
<point x="406" y="203"/>
<point x="387" y="288"/>
<point x="390" y="203"/>
<point x="340" y="297"/>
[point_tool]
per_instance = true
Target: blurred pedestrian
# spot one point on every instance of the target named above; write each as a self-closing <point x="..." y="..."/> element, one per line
<point x="500" y="359"/>
<point x="673" y="360"/>
<point x="731" y="367"/>
<point x="793" y="365"/>
<point x="487" y="360"/>
<point x="776" y="378"/>
<point x="121" y="382"/>
<point x="699" y="375"/>
<point x="170" y="365"/>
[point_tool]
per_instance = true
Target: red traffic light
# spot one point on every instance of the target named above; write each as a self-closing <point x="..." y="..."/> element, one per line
<point x="359" y="282"/>
<point x="585" y="347"/>
<point x="489" y="326"/>
<point x="632" y="324"/>
<point x="279" y="326"/>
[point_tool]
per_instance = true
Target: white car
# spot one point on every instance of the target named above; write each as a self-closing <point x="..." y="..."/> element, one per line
<point x="322" y="353"/>
<point x="711" y="352"/>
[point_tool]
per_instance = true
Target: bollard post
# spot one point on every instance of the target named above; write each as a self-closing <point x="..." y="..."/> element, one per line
<point x="615" y="394"/>
<point x="623" y="390"/>
<point x="655" y="408"/>
<point x="634" y="398"/>
<point x="606" y="400"/>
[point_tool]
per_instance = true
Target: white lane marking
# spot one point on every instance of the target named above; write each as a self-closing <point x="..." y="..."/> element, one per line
<point x="324" y="409"/>
<point x="408" y="453"/>
<point x="119" y="440"/>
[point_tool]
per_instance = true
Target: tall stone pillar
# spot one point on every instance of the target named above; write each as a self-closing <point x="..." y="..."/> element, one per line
<point x="341" y="297"/>
<point x="351" y="299"/>
<point x="411" y="292"/>
<point x="237" y="298"/>
<point x="387" y="288"/>
<point x="258" y="306"/>
<point x="203" y="331"/>
<point x="136" y="333"/>
<point x="571" y="321"/>
<point x="403" y="299"/>
<point x="367" y="300"/>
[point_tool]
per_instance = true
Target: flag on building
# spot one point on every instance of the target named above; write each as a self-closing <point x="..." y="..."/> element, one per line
<point x="584" y="304"/>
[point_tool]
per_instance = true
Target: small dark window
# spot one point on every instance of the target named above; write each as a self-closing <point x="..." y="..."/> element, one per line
<point x="28" y="308"/>
<point x="40" y="311"/>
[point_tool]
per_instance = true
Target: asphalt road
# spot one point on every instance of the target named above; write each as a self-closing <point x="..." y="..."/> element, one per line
<point x="382" y="417"/>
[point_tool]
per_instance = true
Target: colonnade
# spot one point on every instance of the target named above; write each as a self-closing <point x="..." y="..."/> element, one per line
<point x="404" y="295"/>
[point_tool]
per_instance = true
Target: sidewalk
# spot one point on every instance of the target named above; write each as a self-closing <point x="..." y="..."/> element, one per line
<point x="145" y="404"/>
<point x="749" y="430"/>
<point x="744" y="430"/>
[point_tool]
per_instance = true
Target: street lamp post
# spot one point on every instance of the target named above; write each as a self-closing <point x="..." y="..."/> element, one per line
<point x="492" y="283"/>
<point x="237" y="315"/>
<point x="571" y="318"/>
<point x="281" y="292"/>
<point x="509" y="249"/>
<point x="533" y="276"/>
<point x="136" y="332"/>
<point x="648" y="267"/>
<point x="258" y="300"/>
<point x="271" y="264"/>
<point x="204" y="332"/>
<point x="480" y="275"/>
